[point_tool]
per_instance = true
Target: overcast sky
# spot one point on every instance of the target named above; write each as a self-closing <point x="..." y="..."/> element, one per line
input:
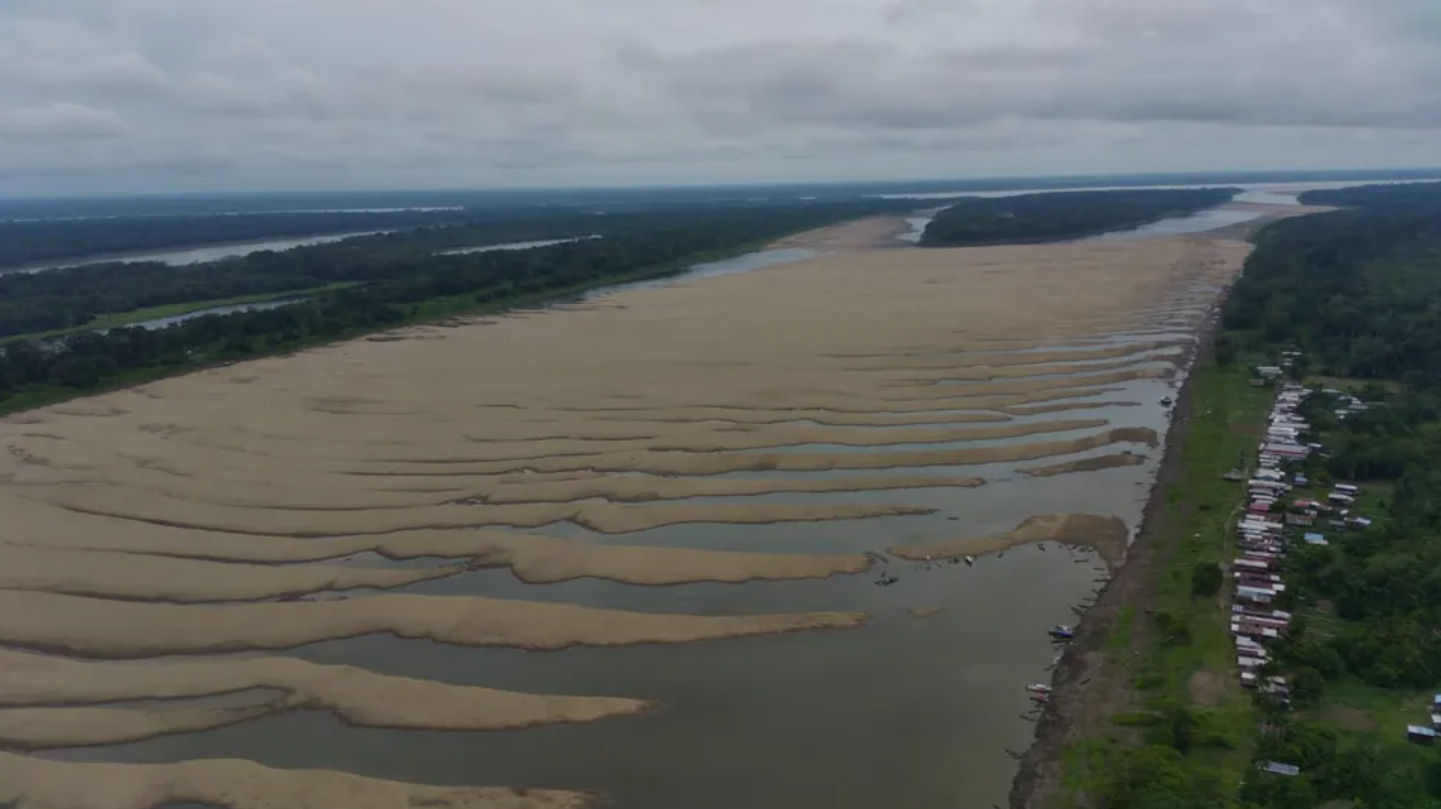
<point x="103" y="96"/>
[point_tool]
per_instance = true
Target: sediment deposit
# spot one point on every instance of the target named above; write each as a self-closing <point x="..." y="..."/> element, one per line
<point x="264" y="506"/>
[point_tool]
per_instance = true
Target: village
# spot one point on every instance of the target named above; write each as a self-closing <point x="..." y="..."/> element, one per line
<point x="1277" y="515"/>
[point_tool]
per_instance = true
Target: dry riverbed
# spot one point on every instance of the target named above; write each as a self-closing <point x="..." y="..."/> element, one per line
<point x="179" y="541"/>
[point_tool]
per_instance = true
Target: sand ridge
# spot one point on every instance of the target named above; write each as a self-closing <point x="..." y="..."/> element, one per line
<point x="1116" y="461"/>
<point x="106" y="629"/>
<point x="155" y="578"/>
<point x="48" y="701"/>
<point x="242" y="785"/>
<point x="1107" y="535"/>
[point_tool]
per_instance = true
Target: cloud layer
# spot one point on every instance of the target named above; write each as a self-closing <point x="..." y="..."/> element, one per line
<point x="159" y="95"/>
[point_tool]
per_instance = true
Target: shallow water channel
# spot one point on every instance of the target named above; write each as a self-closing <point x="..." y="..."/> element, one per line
<point x="905" y="712"/>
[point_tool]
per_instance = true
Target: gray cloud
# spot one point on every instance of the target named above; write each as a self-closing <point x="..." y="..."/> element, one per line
<point x="161" y="95"/>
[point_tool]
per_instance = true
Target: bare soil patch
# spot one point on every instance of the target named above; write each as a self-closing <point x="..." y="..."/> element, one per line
<point x="1206" y="688"/>
<point x="1347" y="718"/>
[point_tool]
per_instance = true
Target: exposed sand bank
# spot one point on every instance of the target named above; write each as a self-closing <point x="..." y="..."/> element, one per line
<point x="44" y="728"/>
<point x="619" y="414"/>
<point x="98" y="628"/>
<point x="1107" y="535"/>
<point x="875" y="232"/>
<point x="354" y="695"/>
<point x="1086" y="465"/>
<point x="531" y="557"/>
<point x="606" y="518"/>
<point x="32" y="782"/>
<point x="155" y="578"/>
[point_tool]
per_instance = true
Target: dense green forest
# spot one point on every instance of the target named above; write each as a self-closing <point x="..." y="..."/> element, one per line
<point x="1031" y="218"/>
<point x="1358" y="289"/>
<point x="1359" y="292"/>
<point x="1374" y="196"/>
<point x="25" y="242"/>
<point x="399" y="277"/>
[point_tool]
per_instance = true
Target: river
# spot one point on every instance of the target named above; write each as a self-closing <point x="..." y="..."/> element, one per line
<point x="905" y="712"/>
<point x="195" y="255"/>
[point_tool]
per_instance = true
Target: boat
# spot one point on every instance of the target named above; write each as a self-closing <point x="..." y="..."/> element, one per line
<point x="1167" y="402"/>
<point x="970" y="560"/>
<point x="1062" y="632"/>
<point x="1039" y="688"/>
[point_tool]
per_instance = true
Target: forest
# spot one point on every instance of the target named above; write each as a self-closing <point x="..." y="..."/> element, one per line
<point x="396" y="278"/>
<point x="25" y="242"/>
<point x="1035" y="218"/>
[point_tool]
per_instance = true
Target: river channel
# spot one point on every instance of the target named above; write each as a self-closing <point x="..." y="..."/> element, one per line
<point x="906" y="712"/>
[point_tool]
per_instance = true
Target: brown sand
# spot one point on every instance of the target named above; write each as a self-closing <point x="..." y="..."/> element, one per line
<point x="99" y="628"/>
<point x="231" y="784"/>
<point x="124" y="575"/>
<point x="1107" y="535"/>
<point x="878" y="231"/>
<point x="645" y="488"/>
<point x="1042" y="409"/>
<point x="43" y="728"/>
<point x="533" y="558"/>
<point x="1086" y="465"/>
<point x="356" y="696"/>
<point x="606" y="518"/>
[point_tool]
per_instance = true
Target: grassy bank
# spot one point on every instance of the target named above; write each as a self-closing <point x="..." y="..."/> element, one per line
<point x="1185" y="738"/>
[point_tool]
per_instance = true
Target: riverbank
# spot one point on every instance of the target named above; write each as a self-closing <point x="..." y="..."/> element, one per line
<point x="1098" y="697"/>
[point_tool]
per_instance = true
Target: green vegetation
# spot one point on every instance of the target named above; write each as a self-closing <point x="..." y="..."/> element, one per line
<point x="1359" y="292"/>
<point x="372" y="284"/>
<point x="1189" y="744"/>
<point x="1033" y="218"/>
<point x="135" y="316"/>
<point x="25" y="242"/>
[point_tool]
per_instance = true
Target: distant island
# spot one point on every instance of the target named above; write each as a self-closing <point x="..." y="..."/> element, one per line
<point x="1035" y="218"/>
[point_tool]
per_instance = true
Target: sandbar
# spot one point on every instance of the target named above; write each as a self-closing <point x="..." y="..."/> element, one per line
<point x="1086" y="465"/>
<point x="160" y="520"/>
<point x="99" y="628"/>
<point x="47" y="684"/>
<point x="1107" y="535"/>
<point x="232" y="784"/>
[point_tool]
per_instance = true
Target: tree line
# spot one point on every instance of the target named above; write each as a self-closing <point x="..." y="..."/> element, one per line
<point x="24" y="242"/>
<point x="1034" y="218"/>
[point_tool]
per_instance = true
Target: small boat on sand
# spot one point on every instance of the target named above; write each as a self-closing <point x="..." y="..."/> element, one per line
<point x="1062" y="632"/>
